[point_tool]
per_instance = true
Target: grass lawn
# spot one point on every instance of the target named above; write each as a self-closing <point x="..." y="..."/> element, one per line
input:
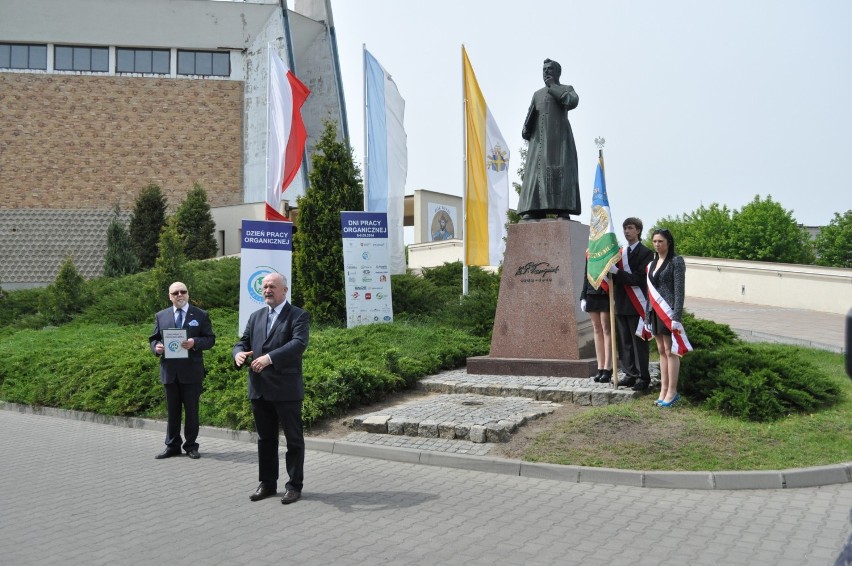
<point x="640" y="436"/>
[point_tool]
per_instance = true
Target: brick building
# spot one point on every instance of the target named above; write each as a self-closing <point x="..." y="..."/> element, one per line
<point x="99" y="98"/>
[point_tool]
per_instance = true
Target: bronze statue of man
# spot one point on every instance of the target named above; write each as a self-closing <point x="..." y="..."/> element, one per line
<point x="550" y="175"/>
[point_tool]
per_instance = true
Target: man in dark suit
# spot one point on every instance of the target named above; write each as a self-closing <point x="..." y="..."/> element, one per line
<point x="631" y="288"/>
<point x="182" y="377"/>
<point x="276" y="337"/>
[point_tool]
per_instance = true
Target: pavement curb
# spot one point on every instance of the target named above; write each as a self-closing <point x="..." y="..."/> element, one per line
<point x="723" y="480"/>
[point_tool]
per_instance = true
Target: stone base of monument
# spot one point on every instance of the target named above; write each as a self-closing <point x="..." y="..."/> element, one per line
<point x="535" y="326"/>
<point x="488" y="365"/>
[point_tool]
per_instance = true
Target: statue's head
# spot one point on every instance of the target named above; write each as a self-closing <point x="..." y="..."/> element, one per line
<point x="551" y="70"/>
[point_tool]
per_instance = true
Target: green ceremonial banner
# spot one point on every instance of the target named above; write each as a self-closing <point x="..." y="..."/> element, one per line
<point x="603" y="243"/>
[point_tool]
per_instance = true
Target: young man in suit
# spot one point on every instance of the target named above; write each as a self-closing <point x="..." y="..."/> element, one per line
<point x="275" y="338"/>
<point x="631" y="288"/>
<point x="182" y="377"/>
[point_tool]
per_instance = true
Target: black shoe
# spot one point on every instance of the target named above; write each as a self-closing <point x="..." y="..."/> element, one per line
<point x="291" y="496"/>
<point x="640" y="385"/>
<point x="627" y="382"/>
<point x="607" y="376"/>
<point x="263" y="491"/>
<point x="168" y="453"/>
<point x="193" y="454"/>
<point x="599" y="376"/>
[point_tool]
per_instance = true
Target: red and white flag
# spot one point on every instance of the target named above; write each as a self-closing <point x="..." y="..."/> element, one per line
<point x="286" y="135"/>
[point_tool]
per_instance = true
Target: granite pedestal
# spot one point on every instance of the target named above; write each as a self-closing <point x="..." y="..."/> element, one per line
<point x="535" y="326"/>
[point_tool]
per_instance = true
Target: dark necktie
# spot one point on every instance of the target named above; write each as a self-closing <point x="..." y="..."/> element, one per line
<point x="179" y="318"/>
<point x="270" y="321"/>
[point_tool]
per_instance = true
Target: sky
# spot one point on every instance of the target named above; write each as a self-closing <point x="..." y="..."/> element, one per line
<point x="699" y="102"/>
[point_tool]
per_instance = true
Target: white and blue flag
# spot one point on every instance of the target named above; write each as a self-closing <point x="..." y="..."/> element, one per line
<point x="387" y="155"/>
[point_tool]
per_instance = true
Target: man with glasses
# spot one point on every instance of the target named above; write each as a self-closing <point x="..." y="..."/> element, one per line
<point x="182" y="369"/>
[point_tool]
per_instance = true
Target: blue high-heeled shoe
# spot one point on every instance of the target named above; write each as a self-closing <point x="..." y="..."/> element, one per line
<point x="670" y="403"/>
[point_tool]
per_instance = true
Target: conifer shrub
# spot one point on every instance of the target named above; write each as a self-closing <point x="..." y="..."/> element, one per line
<point x="756" y="382"/>
<point x="437" y="296"/>
<point x="66" y="296"/>
<point x="706" y="334"/>
<point x="19" y="309"/>
<point x="415" y="296"/>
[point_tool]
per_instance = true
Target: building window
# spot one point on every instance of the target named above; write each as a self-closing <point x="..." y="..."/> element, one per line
<point x="216" y="63"/>
<point x="68" y="58"/>
<point x="23" y="56"/>
<point x="154" y="61"/>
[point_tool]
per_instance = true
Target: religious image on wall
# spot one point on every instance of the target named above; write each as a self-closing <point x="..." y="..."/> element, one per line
<point x="443" y="222"/>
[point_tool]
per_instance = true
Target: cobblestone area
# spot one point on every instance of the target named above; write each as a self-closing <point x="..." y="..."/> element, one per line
<point x="542" y="388"/>
<point x="477" y="418"/>
<point x="419" y="443"/>
<point x="477" y="409"/>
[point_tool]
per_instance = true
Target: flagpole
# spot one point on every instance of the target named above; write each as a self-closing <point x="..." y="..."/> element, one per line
<point x="611" y="293"/>
<point x="366" y="147"/>
<point x="464" y="183"/>
<point x="268" y="80"/>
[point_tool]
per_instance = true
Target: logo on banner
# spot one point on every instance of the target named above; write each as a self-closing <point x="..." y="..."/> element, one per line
<point x="255" y="282"/>
<point x="497" y="159"/>
<point x="365" y="255"/>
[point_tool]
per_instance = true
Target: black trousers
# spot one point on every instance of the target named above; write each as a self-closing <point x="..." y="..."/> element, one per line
<point x="632" y="349"/>
<point x="268" y="416"/>
<point x="182" y="396"/>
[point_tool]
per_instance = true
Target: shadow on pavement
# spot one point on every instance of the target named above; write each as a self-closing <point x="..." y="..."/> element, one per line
<point x="352" y="501"/>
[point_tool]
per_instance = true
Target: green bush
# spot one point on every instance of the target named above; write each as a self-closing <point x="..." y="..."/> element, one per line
<point x="66" y="296"/>
<point x="706" y="334"/>
<point x="415" y="296"/>
<point x="437" y="297"/>
<point x="19" y="308"/>
<point x="756" y="382"/>
<point x="108" y="368"/>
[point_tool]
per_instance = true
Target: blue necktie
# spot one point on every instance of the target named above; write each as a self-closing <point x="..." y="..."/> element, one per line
<point x="179" y="318"/>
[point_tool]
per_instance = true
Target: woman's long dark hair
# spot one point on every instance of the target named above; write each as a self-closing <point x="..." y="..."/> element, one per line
<point x="664" y="232"/>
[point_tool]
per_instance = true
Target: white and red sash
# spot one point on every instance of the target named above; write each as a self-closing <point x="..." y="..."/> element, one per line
<point x="636" y="296"/>
<point x="680" y="343"/>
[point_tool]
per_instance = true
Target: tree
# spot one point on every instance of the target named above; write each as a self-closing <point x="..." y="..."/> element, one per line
<point x="763" y="231"/>
<point x="760" y="231"/>
<point x="514" y="217"/>
<point x="120" y="259"/>
<point x="834" y="242"/>
<point x="704" y="233"/>
<point x="335" y="185"/>
<point x="66" y="295"/>
<point x="169" y="267"/>
<point x="195" y="225"/>
<point x="149" y="216"/>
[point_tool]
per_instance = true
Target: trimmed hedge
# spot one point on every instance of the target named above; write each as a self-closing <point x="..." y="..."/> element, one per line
<point x="109" y="368"/>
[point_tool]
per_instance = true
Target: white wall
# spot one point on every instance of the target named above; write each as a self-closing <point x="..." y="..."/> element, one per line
<point x="230" y="220"/>
<point x="825" y="289"/>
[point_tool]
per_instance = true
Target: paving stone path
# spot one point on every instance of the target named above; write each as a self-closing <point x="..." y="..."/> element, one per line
<point x="478" y="409"/>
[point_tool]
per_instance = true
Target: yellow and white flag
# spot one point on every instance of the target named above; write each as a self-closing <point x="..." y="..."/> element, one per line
<point x="487" y="177"/>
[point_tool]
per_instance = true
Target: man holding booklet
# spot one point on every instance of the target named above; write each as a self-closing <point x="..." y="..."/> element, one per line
<point x="181" y="333"/>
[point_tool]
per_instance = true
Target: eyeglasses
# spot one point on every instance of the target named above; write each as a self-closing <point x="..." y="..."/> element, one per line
<point x="180" y="292"/>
